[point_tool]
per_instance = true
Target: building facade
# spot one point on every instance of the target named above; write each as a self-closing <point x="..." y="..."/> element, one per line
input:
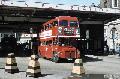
<point x="110" y="3"/>
<point x="112" y="29"/>
<point x="112" y="35"/>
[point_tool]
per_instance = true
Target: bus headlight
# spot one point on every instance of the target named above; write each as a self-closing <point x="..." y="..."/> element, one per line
<point x="60" y="29"/>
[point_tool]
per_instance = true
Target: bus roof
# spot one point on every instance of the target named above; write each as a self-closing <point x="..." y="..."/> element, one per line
<point x="61" y="18"/>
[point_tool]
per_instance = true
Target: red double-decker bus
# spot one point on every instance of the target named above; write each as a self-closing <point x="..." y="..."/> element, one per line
<point x="58" y="39"/>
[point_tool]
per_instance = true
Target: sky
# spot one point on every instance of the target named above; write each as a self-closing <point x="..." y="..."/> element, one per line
<point x="72" y="2"/>
<point x="31" y="3"/>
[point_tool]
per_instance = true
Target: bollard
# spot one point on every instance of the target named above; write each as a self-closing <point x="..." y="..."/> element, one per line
<point x="78" y="69"/>
<point x="11" y="65"/>
<point x="34" y="67"/>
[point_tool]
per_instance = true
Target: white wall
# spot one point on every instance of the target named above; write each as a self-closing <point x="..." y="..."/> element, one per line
<point x="108" y="33"/>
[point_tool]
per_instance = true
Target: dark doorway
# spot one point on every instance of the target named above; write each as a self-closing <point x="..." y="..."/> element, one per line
<point x="92" y="39"/>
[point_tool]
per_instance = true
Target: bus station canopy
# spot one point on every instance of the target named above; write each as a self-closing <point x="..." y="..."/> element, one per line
<point x="23" y="17"/>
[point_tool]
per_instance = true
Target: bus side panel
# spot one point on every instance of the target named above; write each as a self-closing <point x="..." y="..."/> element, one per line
<point x="55" y="31"/>
<point x="68" y="53"/>
<point x="42" y="50"/>
<point x="48" y="52"/>
<point x="62" y="54"/>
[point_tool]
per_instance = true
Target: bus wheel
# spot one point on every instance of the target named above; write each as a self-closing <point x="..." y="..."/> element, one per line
<point x="55" y="58"/>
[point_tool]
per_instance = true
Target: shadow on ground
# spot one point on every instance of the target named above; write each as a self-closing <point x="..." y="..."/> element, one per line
<point x="90" y="76"/>
<point x="28" y="54"/>
<point x="22" y="71"/>
<point x="90" y="59"/>
<point x="84" y="59"/>
<point x="19" y="54"/>
<point x="2" y="68"/>
<point x="42" y="75"/>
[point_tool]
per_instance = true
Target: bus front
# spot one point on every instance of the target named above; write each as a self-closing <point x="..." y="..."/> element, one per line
<point x="68" y="34"/>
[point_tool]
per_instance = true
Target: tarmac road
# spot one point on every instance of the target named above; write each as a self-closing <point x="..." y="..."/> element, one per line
<point x="51" y="70"/>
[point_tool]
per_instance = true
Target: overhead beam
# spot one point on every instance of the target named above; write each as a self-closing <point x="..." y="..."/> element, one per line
<point x="91" y="22"/>
<point x="22" y="19"/>
<point x="38" y="20"/>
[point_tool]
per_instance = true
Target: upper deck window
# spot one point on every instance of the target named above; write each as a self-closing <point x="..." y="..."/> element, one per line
<point x="63" y="23"/>
<point x="73" y="23"/>
<point x="55" y="23"/>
